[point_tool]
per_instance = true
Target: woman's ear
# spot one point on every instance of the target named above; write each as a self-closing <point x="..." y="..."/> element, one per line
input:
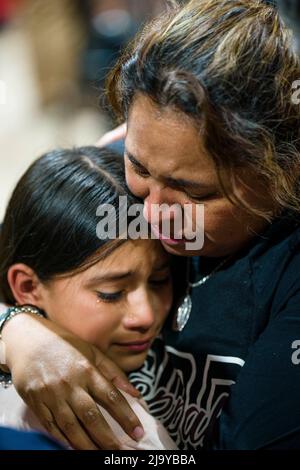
<point x="25" y="285"/>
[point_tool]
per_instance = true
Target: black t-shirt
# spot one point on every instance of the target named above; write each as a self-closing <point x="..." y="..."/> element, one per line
<point x="231" y="379"/>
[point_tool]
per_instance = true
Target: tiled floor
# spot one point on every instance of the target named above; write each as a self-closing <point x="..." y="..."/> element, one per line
<point x="26" y="131"/>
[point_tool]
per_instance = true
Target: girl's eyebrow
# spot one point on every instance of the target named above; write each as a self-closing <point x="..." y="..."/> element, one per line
<point x="117" y="276"/>
<point x="110" y="277"/>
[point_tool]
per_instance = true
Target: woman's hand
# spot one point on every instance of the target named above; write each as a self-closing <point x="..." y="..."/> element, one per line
<point x="116" y="134"/>
<point x="61" y="378"/>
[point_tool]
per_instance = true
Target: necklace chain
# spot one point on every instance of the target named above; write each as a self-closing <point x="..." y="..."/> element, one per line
<point x="184" y="310"/>
<point x="205" y="278"/>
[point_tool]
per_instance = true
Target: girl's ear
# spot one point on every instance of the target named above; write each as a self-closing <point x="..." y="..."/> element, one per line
<point x="25" y="285"/>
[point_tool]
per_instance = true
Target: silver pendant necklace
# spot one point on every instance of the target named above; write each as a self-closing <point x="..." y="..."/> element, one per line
<point x="184" y="310"/>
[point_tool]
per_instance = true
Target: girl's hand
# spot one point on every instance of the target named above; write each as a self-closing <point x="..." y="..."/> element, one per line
<point x="62" y="378"/>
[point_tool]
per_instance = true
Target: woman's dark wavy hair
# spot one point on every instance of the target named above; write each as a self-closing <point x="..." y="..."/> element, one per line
<point x="229" y="65"/>
<point x="50" y="223"/>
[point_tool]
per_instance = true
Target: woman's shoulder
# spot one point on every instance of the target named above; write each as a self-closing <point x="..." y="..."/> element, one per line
<point x="276" y="263"/>
<point x="269" y="266"/>
<point x="282" y="235"/>
<point x="278" y="248"/>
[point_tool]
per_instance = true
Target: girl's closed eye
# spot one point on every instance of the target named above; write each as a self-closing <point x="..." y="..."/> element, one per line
<point x="109" y="296"/>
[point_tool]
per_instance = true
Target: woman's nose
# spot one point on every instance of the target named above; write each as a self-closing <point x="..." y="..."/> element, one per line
<point x="157" y="205"/>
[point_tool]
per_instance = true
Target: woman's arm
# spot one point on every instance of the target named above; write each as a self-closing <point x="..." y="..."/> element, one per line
<point x="62" y="378"/>
<point x="119" y="133"/>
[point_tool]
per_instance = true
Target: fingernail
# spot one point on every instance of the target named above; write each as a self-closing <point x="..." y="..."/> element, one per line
<point x="133" y="390"/>
<point x="138" y="433"/>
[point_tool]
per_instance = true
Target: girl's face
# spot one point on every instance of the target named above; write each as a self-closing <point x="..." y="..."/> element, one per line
<point x="119" y="304"/>
<point x="166" y="163"/>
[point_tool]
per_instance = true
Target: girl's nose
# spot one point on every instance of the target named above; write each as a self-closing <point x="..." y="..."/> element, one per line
<point x="141" y="314"/>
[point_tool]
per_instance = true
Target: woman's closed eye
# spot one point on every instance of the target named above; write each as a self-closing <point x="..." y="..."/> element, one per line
<point x="160" y="282"/>
<point x="138" y="169"/>
<point x="205" y="197"/>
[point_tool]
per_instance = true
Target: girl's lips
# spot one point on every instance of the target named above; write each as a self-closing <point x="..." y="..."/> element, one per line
<point x="135" y="346"/>
<point x="163" y="238"/>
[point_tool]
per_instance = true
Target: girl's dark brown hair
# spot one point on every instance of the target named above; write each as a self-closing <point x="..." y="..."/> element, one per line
<point x="50" y="223"/>
<point x="229" y="65"/>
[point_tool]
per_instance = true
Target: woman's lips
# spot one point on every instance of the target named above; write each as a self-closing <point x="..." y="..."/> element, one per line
<point x="163" y="238"/>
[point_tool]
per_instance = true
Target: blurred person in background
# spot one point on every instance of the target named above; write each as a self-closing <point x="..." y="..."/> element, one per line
<point x="4" y="12"/>
<point x="111" y="24"/>
<point x="7" y="10"/>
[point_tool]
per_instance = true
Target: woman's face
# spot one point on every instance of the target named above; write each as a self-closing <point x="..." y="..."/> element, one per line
<point x="166" y="164"/>
<point x="119" y="304"/>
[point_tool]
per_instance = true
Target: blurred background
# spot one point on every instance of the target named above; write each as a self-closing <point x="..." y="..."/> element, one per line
<point x="54" y="57"/>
